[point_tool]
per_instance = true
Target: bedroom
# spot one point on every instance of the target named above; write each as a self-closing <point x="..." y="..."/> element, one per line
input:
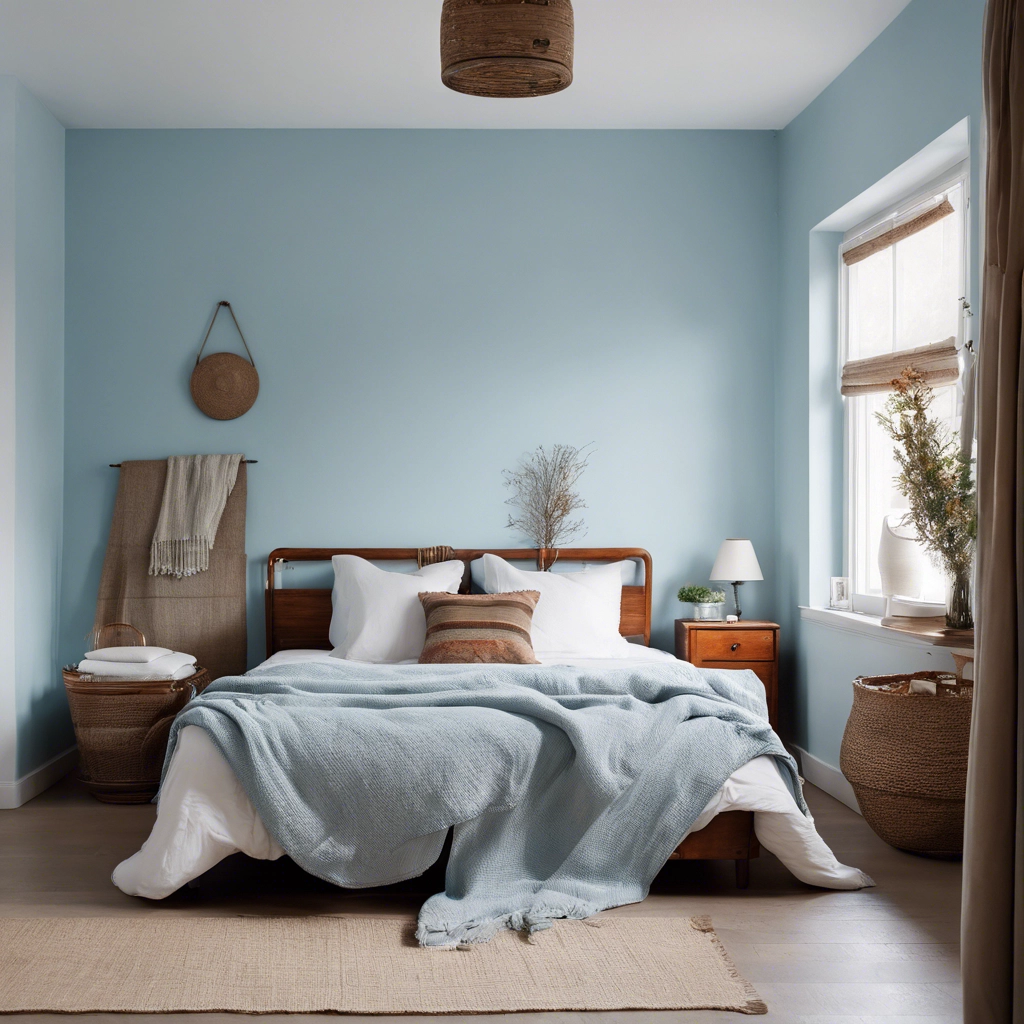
<point x="431" y="285"/>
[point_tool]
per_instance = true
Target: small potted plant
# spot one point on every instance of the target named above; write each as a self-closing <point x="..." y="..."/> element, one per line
<point x="707" y="603"/>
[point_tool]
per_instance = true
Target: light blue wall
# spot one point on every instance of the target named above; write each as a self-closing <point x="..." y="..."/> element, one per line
<point x="829" y="658"/>
<point x="43" y="726"/>
<point x="424" y="307"/>
<point x="8" y="449"/>
<point x="918" y="79"/>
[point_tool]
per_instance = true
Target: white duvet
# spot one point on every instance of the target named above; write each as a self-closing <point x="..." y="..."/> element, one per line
<point x="204" y="814"/>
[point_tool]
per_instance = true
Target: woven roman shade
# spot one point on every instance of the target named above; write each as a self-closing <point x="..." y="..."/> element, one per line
<point x="898" y="233"/>
<point x="937" y="363"/>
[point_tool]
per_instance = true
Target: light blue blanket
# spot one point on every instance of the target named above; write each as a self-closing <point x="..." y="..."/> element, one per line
<point x="567" y="788"/>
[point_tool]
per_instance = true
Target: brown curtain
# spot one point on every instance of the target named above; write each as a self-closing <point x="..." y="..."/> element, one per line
<point x="993" y="907"/>
<point x="202" y="614"/>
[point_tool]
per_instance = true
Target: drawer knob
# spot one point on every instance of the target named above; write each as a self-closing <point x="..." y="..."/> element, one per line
<point x="735" y="647"/>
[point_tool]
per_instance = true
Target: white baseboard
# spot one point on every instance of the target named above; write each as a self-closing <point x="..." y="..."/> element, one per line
<point x="14" y="794"/>
<point x="826" y="777"/>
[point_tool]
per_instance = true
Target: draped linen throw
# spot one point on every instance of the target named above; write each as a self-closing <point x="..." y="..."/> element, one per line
<point x="992" y="923"/>
<point x="203" y="614"/>
<point x="195" y="493"/>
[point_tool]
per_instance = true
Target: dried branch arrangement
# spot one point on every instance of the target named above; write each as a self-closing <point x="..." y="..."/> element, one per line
<point x="936" y="478"/>
<point x="543" y="494"/>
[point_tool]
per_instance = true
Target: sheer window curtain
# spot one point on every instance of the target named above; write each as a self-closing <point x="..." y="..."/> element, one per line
<point x="993" y="908"/>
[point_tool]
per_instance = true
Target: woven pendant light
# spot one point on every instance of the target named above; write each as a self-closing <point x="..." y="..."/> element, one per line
<point x="506" y="47"/>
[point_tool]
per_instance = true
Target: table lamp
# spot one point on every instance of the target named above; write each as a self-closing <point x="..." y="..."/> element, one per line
<point x="736" y="563"/>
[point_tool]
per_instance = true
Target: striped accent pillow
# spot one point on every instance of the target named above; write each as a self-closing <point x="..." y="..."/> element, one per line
<point x="487" y="628"/>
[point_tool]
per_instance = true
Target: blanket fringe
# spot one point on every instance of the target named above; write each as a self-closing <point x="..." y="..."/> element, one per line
<point x="180" y="558"/>
<point x="531" y="920"/>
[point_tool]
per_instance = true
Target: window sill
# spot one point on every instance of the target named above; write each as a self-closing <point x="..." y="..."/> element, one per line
<point x="863" y="625"/>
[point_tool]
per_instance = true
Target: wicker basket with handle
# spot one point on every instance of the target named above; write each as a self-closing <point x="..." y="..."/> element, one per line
<point x="117" y="634"/>
<point x="122" y="728"/>
<point x="905" y="754"/>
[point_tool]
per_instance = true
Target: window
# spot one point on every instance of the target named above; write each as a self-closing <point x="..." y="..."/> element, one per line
<point x="909" y="291"/>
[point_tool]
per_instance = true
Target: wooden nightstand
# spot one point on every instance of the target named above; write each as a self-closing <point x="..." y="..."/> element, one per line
<point x="753" y="645"/>
<point x="743" y="644"/>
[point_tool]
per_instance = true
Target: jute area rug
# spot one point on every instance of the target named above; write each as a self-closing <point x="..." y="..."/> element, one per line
<point x="360" y="965"/>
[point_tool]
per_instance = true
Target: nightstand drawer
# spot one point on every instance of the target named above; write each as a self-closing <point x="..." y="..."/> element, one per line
<point x="733" y="645"/>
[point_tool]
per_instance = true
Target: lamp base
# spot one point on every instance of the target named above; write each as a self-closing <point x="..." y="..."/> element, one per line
<point x="736" y="597"/>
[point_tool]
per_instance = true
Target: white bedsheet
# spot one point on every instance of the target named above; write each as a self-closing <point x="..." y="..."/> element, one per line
<point x="204" y="814"/>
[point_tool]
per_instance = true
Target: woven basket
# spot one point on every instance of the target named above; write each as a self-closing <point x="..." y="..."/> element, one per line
<point x="122" y="729"/>
<point x="905" y="754"/>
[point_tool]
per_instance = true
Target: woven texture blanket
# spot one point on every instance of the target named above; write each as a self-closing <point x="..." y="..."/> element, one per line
<point x="195" y="493"/>
<point x="567" y="788"/>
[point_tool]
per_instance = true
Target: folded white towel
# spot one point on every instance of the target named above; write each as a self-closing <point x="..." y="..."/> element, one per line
<point x="166" y="667"/>
<point x="132" y="655"/>
<point x="183" y="673"/>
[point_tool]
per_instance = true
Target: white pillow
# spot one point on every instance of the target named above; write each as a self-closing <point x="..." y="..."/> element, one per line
<point x="578" y="612"/>
<point x="632" y="570"/>
<point x="377" y="615"/>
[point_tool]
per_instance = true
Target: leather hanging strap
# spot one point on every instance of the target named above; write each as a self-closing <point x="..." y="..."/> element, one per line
<point x="213" y="320"/>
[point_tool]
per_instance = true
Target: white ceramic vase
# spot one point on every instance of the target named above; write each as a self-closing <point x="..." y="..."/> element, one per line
<point x="901" y="561"/>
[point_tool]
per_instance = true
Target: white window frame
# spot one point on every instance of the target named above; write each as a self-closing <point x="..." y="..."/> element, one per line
<point x="913" y="203"/>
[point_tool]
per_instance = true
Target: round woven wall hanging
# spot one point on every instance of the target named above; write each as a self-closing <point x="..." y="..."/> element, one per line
<point x="506" y="47"/>
<point x="224" y="385"/>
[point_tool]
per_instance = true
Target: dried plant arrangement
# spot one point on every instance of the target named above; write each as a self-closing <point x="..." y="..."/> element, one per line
<point x="936" y="478"/>
<point x="544" y="495"/>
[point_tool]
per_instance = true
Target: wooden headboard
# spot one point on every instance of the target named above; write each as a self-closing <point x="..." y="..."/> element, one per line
<point x="301" y="617"/>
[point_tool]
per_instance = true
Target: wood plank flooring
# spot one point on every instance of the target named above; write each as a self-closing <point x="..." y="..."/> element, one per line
<point x="888" y="954"/>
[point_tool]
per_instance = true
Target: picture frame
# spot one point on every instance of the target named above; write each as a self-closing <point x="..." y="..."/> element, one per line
<point x="839" y="593"/>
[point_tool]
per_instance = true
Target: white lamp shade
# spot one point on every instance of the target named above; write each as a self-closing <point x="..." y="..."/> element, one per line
<point x="736" y="561"/>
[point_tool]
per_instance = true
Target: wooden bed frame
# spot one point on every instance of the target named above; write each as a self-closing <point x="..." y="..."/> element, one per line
<point x="300" y="618"/>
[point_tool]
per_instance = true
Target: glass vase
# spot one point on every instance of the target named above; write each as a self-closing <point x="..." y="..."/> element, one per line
<point x="959" y="614"/>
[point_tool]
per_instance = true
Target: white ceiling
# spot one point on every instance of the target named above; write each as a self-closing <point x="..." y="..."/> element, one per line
<point x="375" y="63"/>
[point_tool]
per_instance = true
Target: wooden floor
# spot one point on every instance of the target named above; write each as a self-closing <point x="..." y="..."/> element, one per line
<point x="883" y="954"/>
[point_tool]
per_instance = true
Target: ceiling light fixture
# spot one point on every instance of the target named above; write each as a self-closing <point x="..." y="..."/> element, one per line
<point x="506" y="47"/>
